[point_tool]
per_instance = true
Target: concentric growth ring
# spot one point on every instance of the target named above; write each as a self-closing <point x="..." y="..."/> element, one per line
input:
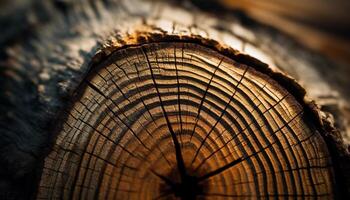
<point x="179" y="120"/>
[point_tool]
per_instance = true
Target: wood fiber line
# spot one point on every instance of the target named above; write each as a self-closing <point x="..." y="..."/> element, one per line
<point x="179" y="120"/>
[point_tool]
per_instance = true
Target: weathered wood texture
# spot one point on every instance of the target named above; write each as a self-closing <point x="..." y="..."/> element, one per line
<point x="43" y="63"/>
<point x="238" y="131"/>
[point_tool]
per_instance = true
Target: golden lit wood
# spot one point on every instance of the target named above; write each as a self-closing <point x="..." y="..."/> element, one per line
<point x="176" y="119"/>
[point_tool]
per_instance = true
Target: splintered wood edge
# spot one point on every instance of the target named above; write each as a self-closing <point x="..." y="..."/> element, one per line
<point x="329" y="133"/>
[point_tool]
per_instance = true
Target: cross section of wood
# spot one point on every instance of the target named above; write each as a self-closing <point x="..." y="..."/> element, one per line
<point x="169" y="120"/>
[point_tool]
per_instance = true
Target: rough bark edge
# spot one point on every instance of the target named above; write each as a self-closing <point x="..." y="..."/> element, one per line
<point x="332" y="137"/>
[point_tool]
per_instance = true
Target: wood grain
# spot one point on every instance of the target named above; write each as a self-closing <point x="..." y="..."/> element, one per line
<point x="159" y="120"/>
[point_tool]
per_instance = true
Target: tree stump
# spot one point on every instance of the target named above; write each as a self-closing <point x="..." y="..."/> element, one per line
<point x="180" y="120"/>
<point x="138" y="99"/>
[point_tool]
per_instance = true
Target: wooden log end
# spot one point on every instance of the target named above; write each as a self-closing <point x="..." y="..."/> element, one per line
<point x="161" y="116"/>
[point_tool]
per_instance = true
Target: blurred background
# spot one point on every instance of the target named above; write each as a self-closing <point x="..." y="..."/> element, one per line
<point x="322" y="25"/>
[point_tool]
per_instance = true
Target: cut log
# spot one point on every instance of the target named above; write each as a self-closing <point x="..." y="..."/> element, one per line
<point x="124" y="98"/>
<point x="176" y="119"/>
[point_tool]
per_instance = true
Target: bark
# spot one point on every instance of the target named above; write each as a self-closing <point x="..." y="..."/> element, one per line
<point x="52" y="81"/>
